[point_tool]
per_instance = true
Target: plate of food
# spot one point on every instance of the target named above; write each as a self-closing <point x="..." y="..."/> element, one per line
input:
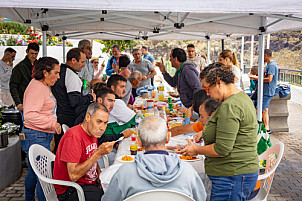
<point x="189" y="158"/>
<point x="173" y="94"/>
<point x="125" y="159"/>
<point x="174" y="149"/>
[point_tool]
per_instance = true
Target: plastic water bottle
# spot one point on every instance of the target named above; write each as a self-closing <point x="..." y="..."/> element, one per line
<point x="150" y="93"/>
<point x="139" y="117"/>
<point x="156" y="112"/>
<point x="163" y="114"/>
<point x="161" y="91"/>
<point x="149" y="112"/>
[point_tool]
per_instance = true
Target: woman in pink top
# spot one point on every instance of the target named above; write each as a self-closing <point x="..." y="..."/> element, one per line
<point x="40" y="120"/>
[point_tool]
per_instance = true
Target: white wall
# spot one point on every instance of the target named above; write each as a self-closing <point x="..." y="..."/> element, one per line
<point x="55" y="51"/>
<point x="52" y="51"/>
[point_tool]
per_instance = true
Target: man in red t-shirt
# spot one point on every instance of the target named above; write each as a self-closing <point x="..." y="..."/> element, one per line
<point x="77" y="155"/>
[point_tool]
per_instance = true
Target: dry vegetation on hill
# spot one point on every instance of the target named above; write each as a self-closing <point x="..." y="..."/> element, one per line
<point x="286" y="47"/>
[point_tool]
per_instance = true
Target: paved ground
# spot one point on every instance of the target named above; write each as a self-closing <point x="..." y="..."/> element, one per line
<point x="287" y="184"/>
<point x="297" y="94"/>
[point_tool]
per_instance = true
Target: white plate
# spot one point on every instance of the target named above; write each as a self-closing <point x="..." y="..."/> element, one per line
<point x="197" y="159"/>
<point x="119" y="159"/>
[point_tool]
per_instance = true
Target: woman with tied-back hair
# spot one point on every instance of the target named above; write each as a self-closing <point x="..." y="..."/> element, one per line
<point x="230" y="137"/>
<point x="40" y="119"/>
<point x="227" y="58"/>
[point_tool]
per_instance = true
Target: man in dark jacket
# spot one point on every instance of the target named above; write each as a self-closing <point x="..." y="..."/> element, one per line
<point x="22" y="75"/>
<point x="185" y="78"/>
<point x="71" y="103"/>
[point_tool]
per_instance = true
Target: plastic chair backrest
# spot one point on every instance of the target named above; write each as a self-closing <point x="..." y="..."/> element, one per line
<point x="40" y="159"/>
<point x="272" y="163"/>
<point x="65" y="128"/>
<point x="167" y="195"/>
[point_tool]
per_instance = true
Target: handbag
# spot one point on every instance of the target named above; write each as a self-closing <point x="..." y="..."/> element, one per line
<point x="264" y="141"/>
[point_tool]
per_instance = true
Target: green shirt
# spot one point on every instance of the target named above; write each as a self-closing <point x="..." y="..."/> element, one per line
<point x="114" y="128"/>
<point x="178" y="70"/>
<point x="233" y="129"/>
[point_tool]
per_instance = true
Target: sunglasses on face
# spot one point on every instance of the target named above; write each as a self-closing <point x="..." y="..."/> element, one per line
<point x="95" y="62"/>
<point x="207" y="88"/>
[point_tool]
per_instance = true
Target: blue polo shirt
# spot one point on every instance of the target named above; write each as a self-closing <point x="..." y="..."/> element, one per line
<point x="270" y="87"/>
<point x="149" y="57"/>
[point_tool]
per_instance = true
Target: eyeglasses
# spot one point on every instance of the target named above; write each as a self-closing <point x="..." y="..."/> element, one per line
<point x="207" y="88"/>
<point x="96" y="62"/>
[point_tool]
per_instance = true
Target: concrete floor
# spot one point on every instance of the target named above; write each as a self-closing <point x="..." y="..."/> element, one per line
<point x="287" y="183"/>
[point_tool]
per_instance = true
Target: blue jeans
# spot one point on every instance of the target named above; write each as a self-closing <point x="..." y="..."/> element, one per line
<point x="233" y="188"/>
<point x="265" y="102"/>
<point x="31" y="179"/>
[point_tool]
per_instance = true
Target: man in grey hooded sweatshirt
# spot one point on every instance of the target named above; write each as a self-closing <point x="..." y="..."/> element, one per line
<point x="155" y="169"/>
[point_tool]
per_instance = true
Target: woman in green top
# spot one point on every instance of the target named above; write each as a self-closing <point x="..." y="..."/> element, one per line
<point x="230" y="137"/>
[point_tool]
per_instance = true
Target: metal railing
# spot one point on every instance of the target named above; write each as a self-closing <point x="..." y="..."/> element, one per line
<point x="291" y="76"/>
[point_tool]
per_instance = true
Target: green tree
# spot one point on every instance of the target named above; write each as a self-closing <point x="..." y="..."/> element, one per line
<point x="122" y="43"/>
<point x="14" y="28"/>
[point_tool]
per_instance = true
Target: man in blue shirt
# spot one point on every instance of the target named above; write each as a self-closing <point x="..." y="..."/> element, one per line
<point x="150" y="57"/>
<point x="269" y="85"/>
<point x="113" y="61"/>
<point x="87" y="71"/>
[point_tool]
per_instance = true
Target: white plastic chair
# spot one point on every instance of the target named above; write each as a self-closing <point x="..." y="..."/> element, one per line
<point x="40" y="159"/>
<point x="167" y="195"/>
<point x="271" y="164"/>
<point x="65" y="127"/>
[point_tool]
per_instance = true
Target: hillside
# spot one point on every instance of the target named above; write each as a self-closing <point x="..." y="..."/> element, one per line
<point x="286" y="47"/>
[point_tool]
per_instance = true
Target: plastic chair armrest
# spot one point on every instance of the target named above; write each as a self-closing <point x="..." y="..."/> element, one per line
<point x="266" y="175"/>
<point x="66" y="183"/>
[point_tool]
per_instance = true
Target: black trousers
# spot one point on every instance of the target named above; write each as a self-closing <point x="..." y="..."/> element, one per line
<point x="92" y="193"/>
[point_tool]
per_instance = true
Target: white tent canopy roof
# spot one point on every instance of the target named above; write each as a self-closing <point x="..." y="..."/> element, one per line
<point x="156" y="20"/>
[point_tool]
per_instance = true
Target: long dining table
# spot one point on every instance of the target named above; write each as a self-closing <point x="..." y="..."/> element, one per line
<point x="124" y="149"/>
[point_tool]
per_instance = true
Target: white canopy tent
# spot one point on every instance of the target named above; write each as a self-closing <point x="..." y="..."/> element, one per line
<point x="158" y="20"/>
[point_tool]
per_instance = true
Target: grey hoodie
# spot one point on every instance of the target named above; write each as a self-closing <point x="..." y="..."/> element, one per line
<point x="187" y="83"/>
<point x="155" y="171"/>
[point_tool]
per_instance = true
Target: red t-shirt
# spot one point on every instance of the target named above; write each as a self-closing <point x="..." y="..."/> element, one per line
<point x="75" y="147"/>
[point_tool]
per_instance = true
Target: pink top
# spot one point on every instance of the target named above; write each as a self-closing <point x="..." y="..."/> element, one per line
<point x="39" y="107"/>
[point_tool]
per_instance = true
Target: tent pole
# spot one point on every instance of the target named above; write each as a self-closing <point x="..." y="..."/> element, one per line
<point x="44" y="30"/>
<point x="64" y="44"/>
<point x="252" y="51"/>
<point x="208" y="51"/>
<point x="268" y="38"/>
<point x="242" y="54"/>
<point x="222" y="44"/>
<point x="261" y="69"/>
<point x="44" y="43"/>
<point x="260" y="75"/>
